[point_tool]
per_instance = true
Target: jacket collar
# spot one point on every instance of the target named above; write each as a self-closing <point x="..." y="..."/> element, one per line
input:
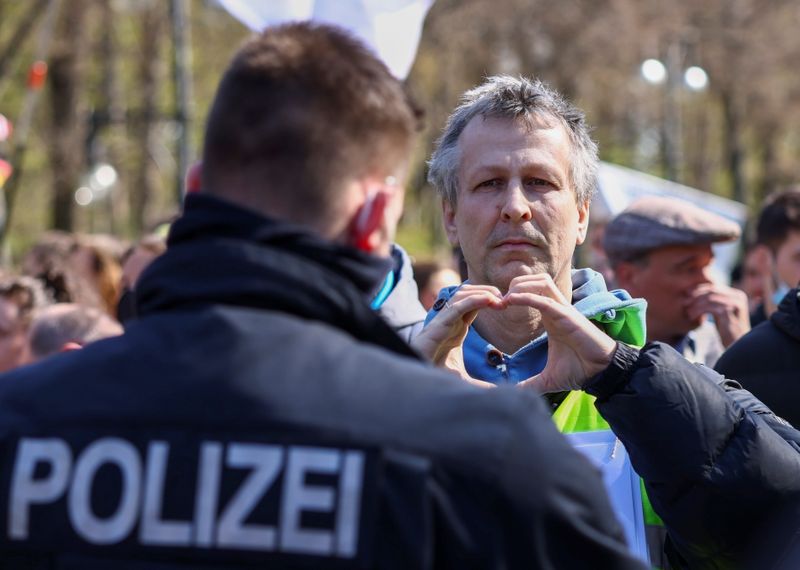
<point x="787" y="317"/>
<point x="219" y="253"/>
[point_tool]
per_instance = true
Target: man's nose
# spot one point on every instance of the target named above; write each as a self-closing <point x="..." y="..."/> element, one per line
<point x="705" y="275"/>
<point x="515" y="207"/>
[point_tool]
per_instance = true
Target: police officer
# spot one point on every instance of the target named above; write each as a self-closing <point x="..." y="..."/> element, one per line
<point x="259" y="412"/>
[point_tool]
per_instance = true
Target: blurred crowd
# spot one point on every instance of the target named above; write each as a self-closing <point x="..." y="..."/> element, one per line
<point x="70" y="290"/>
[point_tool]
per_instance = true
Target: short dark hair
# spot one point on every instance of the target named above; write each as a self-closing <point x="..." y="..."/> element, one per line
<point x="301" y="109"/>
<point x="26" y="293"/>
<point x="779" y="216"/>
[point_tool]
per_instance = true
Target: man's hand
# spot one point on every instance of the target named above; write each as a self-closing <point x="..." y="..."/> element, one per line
<point x="727" y="305"/>
<point x="577" y="349"/>
<point x="442" y="339"/>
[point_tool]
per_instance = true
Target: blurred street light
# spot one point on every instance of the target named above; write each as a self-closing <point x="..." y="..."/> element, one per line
<point x="672" y="75"/>
<point x="99" y="182"/>
<point x="695" y="78"/>
<point x="654" y="71"/>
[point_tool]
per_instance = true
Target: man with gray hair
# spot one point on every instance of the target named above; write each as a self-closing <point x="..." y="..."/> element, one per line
<point x="515" y="169"/>
<point x="67" y="326"/>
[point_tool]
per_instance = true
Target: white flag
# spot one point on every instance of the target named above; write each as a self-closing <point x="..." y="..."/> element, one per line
<point x="392" y="28"/>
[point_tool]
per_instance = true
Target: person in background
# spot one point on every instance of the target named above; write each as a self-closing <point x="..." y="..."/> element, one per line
<point x="778" y="230"/>
<point x="48" y="261"/>
<point x="751" y="276"/>
<point x="20" y="298"/>
<point x="134" y="262"/>
<point x="767" y="360"/>
<point x="96" y="260"/>
<point x="660" y="250"/>
<point x="66" y="326"/>
<point x="432" y="277"/>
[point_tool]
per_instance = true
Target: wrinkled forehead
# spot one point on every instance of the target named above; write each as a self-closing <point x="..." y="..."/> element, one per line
<point x="501" y="143"/>
<point x="527" y="122"/>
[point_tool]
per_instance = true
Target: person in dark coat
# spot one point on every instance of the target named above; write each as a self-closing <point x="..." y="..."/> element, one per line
<point x="766" y="361"/>
<point x="259" y="412"/>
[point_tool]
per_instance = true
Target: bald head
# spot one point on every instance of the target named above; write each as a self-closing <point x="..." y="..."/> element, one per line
<point x="66" y="325"/>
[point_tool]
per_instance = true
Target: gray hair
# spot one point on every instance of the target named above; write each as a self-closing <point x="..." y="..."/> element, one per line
<point x="503" y="96"/>
<point x="58" y="324"/>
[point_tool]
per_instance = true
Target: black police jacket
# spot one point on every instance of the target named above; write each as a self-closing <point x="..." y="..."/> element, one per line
<point x="258" y="414"/>
<point x="719" y="467"/>
<point x="766" y="360"/>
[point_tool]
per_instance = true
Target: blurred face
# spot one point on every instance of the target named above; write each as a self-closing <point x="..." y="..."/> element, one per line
<point x="134" y="265"/>
<point x="755" y="268"/>
<point x="668" y="280"/>
<point x="787" y="259"/>
<point x="13" y="336"/>
<point x="516" y="212"/>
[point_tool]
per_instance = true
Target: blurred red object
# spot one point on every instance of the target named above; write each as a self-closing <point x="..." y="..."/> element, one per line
<point x="194" y="178"/>
<point x="37" y="75"/>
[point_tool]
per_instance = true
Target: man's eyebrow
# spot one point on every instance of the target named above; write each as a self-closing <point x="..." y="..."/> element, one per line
<point x="689" y="258"/>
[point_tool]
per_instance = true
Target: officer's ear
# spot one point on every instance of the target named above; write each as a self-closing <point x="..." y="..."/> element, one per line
<point x="367" y="231"/>
<point x="70" y="346"/>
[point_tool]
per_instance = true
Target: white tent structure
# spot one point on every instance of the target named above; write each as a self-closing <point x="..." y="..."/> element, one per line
<point x="392" y="28"/>
<point x="618" y="187"/>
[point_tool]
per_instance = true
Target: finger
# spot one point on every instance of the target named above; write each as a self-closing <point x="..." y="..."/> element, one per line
<point x="470" y="287"/>
<point x="467" y="310"/>
<point x="533" y="383"/>
<point x="461" y="306"/>
<point x="539" y="384"/>
<point x="532" y="277"/>
<point x="532" y="299"/>
<point x="543" y="287"/>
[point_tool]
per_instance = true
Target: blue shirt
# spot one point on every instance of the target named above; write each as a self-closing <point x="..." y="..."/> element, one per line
<point x="589" y="295"/>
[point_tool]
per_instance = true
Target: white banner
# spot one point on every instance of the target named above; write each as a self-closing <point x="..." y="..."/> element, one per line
<point x="608" y="454"/>
<point x="392" y="28"/>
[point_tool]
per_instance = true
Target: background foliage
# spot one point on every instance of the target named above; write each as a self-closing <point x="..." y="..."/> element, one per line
<point x="110" y="94"/>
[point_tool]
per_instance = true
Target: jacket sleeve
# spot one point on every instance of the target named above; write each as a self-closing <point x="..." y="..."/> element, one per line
<point x="716" y="463"/>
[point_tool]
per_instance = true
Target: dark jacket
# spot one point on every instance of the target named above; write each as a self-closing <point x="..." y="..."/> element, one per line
<point x="259" y="414"/>
<point x="767" y="360"/>
<point x="718" y="466"/>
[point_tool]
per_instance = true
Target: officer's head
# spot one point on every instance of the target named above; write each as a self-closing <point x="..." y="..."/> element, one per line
<point x="308" y="126"/>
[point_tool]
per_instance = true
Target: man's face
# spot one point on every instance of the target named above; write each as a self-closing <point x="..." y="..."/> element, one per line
<point x="668" y="279"/>
<point x="13" y="336"/>
<point x="516" y="212"/>
<point x="787" y="259"/>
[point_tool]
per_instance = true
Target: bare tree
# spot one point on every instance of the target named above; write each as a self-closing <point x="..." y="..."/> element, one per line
<point x="68" y="93"/>
<point x="151" y="72"/>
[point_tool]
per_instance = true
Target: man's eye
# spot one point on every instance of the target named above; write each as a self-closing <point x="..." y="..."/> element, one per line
<point x="492" y="183"/>
<point x="539" y="182"/>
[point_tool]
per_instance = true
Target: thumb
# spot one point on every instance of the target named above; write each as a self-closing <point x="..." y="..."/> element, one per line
<point x="536" y="383"/>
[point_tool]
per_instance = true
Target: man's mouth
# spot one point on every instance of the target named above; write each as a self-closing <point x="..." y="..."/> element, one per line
<point x="515" y="243"/>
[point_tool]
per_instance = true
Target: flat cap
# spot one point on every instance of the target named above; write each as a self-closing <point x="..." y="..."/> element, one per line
<point x="654" y="221"/>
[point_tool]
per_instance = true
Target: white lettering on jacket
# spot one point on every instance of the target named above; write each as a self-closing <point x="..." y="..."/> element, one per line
<point x="48" y="475"/>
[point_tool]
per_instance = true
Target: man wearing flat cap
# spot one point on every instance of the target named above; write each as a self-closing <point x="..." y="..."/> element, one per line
<point x="660" y="250"/>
